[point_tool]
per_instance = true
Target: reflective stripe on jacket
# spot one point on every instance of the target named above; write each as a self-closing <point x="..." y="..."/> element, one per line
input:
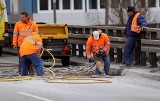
<point x="93" y="46"/>
<point x="21" y="30"/>
<point x="135" y="27"/>
<point x="31" y="44"/>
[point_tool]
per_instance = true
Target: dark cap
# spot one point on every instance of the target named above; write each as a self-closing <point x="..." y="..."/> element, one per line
<point x="130" y="8"/>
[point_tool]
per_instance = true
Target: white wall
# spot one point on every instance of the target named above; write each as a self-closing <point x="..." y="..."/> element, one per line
<point x="75" y="18"/>
<point x="14" y="6"/>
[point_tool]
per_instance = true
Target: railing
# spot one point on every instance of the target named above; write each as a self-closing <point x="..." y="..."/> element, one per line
<point x="146" y="49"/>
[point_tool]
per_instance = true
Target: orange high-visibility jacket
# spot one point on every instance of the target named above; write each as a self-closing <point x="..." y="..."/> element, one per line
<point x="31" y="44"/>
<point x="21" y="30"/>
<point x="93" y="46"/>
<point x="135" y="27"/>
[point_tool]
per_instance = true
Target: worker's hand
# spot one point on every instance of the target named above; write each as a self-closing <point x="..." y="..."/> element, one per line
<point x="91" y="60"/>
<point x="143" y="28"/>
<point x="88" y="57"/>
<point x="15" y="47"/>
<point x="101" y="51"/>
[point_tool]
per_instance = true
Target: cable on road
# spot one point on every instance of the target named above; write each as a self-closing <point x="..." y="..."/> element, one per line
<point x="54" y="79"/>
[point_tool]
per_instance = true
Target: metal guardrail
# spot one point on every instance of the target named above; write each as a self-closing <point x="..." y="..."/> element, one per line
<point x="146" y="49"/>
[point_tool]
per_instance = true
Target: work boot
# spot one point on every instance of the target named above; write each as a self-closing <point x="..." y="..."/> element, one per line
<point x="122" y="65"/>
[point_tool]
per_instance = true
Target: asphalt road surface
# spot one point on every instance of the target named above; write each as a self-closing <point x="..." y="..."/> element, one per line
<point x="122" y="88"/>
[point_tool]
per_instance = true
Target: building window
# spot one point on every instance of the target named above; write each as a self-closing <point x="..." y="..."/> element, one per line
<point x="66" y="4"/>
<point x="77" y="4"/>
<point x="92" y="4"/>
<point x="57" y="4"/>
<point x="43" y="4"/>
<point x="151" y="3"/>
<point x="102" y="4"/>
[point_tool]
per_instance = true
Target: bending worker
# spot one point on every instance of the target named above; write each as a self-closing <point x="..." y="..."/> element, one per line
<point x="29" y="52"/>
<point x="99" y="42"/>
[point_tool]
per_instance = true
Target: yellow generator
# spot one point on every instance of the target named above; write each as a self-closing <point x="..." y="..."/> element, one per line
<point x="2" y="24"/>
<point x="55" y="38"/>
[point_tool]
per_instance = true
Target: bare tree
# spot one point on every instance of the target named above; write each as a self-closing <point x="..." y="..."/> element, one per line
<point x="144" y="7"/>
<point x="93" y="18"/>
<point x="118" y="10"/>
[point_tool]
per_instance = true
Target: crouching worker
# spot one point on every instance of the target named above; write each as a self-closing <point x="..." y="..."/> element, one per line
<point x="98" y="43"/>
<point x="29" y="53"/>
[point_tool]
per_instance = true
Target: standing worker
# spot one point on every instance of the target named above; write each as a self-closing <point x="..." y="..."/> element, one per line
<point x="99" y="42"/>
<point x="29" y="52"/>
<point x="22" y="29"/>
<point x="135" y="24"/>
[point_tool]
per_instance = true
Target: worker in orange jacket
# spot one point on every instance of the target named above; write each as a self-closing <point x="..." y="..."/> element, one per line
<point x="99" y="42"/>
<point x="29" y="52"/>
<point x="22" y="29"/>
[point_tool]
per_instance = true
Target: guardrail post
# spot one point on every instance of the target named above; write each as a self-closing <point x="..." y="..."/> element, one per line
<point x="153" y="54"/>
<point x="80" y="31"/>
<point x="80" y="49"/>
<point x="111" y="52"/>
<point x="143" y="54"/>
<point x="73" y="30"/>
<point x="73" y="49"/>
<point x="137" y="51"/>
<point x="87" y="31"/>
<point x="119" y="51"/>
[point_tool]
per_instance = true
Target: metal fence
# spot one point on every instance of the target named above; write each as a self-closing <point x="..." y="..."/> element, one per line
<point x="146" y="49"/>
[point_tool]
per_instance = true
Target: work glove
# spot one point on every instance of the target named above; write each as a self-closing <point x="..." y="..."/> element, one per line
<point x="91" y="60"/>
<point x="101" y="51"/>
<point x="143" y="28"/>
<point x="15" y="47"/>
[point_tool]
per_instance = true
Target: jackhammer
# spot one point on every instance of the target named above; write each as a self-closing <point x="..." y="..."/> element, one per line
<point x="98" y="62"/>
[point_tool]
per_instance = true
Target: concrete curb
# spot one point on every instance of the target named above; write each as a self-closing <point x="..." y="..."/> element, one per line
<point x="142" y="72"/>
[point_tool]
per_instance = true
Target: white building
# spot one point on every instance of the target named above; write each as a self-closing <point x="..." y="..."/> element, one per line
<point x="76" y="12"/>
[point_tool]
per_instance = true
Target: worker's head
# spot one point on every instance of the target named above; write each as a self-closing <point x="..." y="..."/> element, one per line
<point x="96" y="35"/>
<point x="131" y="10"/>
<point x="24" y="17"/>
<point x="100" y="31"/>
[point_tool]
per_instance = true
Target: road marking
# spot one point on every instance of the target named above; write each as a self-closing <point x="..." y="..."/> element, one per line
<point x="37" y="97"/>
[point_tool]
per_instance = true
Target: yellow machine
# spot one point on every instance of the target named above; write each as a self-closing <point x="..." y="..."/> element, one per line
<point x="2" y="24"/>
<point x="55" y="37"/>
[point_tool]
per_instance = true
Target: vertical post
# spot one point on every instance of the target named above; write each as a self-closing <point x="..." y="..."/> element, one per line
<point x="54" y="11"/>
<point x="111" y="52"/>
<point x="143" y="54"/>
<point x="106" y="12"/>
<point x="80" y="48"/>
<point x="119" y="51"/>
<point x="153" y="54"/>
<point x="73" y="49"/>
<point x="137" y="51"/>
<point x="80" y="31"/>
